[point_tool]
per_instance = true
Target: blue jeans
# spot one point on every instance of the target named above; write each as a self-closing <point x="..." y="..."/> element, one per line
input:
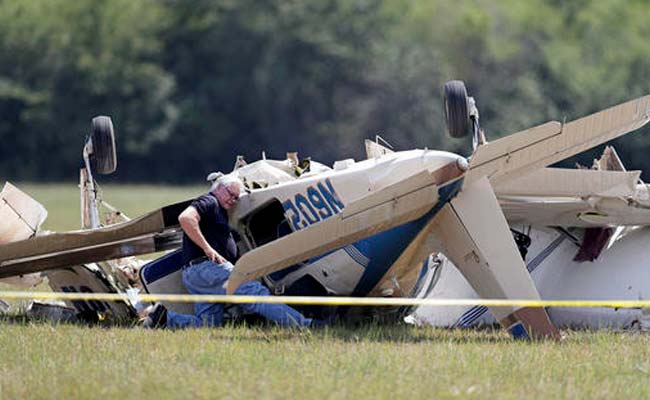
<point x="208" y="278"/>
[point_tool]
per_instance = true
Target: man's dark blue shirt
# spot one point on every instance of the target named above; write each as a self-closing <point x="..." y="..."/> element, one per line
<point x="214" y="226"/>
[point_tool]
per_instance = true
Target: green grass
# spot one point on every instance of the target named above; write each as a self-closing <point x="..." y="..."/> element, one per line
<point x="62" y="200"/>
<point x="43" y="361"/>
<point x="40" y="360"/>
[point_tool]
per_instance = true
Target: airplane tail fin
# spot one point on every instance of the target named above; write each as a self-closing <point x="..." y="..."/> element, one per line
<point x="476" y="238"/>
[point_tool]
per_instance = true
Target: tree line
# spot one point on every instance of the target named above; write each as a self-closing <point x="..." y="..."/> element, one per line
<point x="192" y="84"/>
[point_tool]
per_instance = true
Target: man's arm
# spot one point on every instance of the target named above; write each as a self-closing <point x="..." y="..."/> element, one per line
<point x="189" y="220"/>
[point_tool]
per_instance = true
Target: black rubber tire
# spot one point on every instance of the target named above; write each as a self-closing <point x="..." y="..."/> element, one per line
<point x="104" y="157"/>
<point x="456" y="109"/>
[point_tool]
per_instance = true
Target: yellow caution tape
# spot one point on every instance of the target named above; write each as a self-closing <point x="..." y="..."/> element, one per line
<point x="322" y="300"/>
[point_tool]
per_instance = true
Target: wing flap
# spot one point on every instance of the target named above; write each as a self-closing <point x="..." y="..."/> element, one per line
<point x="556" y="182"/>
<point x="576" y="212"/>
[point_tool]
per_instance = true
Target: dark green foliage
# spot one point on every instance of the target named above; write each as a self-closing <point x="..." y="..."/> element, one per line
<point x="191" y="84"/>
<point x="61" y="63"/>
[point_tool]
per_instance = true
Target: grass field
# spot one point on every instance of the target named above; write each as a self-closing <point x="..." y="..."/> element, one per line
<point x="43" y="361"/>
<point x="40" y="360"/>
<point x="62" y="200"/>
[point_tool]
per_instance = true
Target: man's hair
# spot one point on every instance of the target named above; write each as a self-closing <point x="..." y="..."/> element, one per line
<point x="226" y="180"/>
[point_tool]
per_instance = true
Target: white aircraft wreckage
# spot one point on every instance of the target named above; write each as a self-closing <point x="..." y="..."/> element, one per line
<point x="380" y="227"/>
<point x="583" y="235"/>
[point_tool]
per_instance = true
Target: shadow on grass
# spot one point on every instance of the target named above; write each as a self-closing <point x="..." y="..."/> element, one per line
<point x="358" y="333"/>
<point x="261" y="331"/>
<point x="75" y="319"/>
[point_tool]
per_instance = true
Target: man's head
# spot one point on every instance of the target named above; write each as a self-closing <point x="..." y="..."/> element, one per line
<point x="227" y="190"/>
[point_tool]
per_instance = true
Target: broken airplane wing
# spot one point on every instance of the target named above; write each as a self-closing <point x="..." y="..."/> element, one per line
<point x="155" y="231"/>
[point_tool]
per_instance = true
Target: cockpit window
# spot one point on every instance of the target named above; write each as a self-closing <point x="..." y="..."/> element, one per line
<point x="267" y="224"/>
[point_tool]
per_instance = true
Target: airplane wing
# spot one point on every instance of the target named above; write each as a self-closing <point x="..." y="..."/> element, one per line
<point x="574" y="212"/>
<point x="394" y="205"/>
<point x="155" y="231"/>
<point x="472" y="227"/>
<point x="564" y="182"/>
<point x="521" y="153"/>
<point x="575" y="197"/>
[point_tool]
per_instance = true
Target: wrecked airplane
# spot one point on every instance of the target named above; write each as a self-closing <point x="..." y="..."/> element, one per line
<point x="376" y="227"/>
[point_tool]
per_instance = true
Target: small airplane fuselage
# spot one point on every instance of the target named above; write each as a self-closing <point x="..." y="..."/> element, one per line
<point x="358" y="269"/>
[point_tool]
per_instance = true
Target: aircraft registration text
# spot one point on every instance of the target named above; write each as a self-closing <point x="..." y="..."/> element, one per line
<point x="316" y="203"/>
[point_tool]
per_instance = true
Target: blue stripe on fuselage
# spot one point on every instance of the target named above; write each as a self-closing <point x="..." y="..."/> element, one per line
<point x="384" y="248"/>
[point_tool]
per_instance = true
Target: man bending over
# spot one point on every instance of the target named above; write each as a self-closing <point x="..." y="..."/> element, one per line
<point x="208" y="252"/>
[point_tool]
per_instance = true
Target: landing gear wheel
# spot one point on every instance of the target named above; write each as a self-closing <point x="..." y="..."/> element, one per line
<point x="456" y="109"/>
<point x="103" y="158"/>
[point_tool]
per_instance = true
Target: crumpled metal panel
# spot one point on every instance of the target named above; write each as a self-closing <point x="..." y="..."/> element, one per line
<point x="20" y="215"/>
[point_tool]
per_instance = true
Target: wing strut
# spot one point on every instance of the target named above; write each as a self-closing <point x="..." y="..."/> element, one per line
<point x="475" y="236"/>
